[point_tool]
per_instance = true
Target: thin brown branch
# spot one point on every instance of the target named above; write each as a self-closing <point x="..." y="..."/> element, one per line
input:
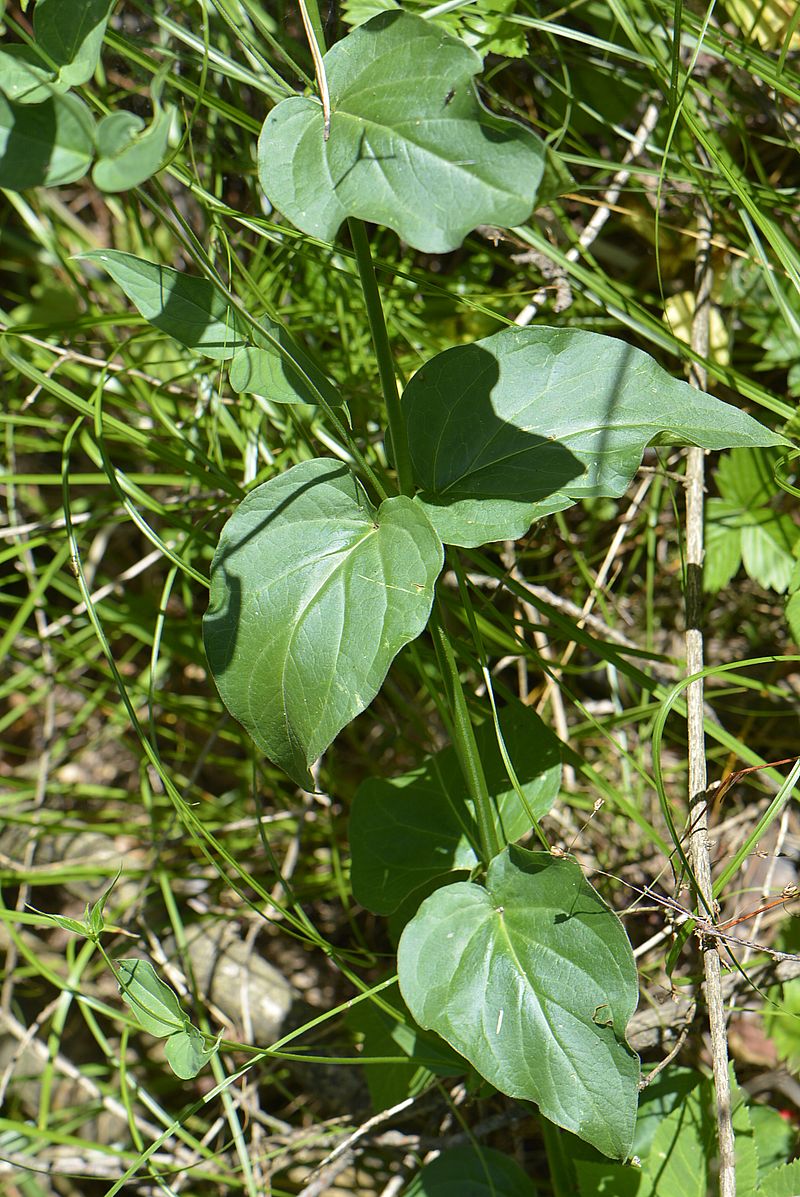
<point x="699" y="851"/>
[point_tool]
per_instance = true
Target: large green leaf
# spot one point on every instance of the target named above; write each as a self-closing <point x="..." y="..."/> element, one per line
<point x="532" y="978"/>
<point x="682" y="1147"/>
<point x="471" y="1171"/>
<point x="313" y="593"/>
<point x="70" y="33"/>
<point x="526" y="422"/>
<point x="188" y="308"/>
<point x="44" y="145"/>
<point x="412" y="1057"/>
<point x="408" y="831"/>
<point x="410" y="145"/>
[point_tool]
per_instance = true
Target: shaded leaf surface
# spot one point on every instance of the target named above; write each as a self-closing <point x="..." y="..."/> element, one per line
<point x="528" y="421"/>
<point x="129" y="153"/>
<point x="152" y="1001"/>
<point x="410" y="145"/>
<point x="188" y="308"/>
<point x="187" y="1053"/>
<point x="532" y="978"/>
<point x="263" y="372"/>
<point x="418" y="1055"/>
<point x="313" y="593"/>
<point x="46" y="144"/>
<point x="407" y="831"/>
<point x="71" y="33"/>
<point x="157" y="1009"/>
<point x="471" y="1171"/>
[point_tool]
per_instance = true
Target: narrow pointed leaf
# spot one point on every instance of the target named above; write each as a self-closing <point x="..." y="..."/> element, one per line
<point x="313" y="593"/>
<point x="532" y="978"/>
<point x="151" y="1000"/>
<point x="410" y="830"/>
<point x="528" y="421"/>
<point x="410" y="145"/>
<point x="188" y="308"/>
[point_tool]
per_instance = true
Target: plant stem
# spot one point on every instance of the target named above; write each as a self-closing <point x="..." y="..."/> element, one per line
<point x="698" y="781"/>
<point x="383" y="354"/>
<point x="464" y="740"/>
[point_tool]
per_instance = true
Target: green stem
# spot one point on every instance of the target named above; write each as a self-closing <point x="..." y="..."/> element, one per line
<point x="383" y="354"/>
<point x="464" y="740"/>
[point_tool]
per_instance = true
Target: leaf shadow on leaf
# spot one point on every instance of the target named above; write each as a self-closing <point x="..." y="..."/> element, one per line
<point x="487" y="458"/>
<point x="361" y="155"/>
<point x="490" y="456"/>
<point x="172" y="317"/>
<point x="222" y="621"/>
<point x="29" y="147"/>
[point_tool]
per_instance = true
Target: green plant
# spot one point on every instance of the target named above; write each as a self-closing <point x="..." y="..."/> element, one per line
<point x="315" y="590"/>
<point x="333" y="570"/>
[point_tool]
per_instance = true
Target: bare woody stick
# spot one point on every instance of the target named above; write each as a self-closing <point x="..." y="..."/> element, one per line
<point x="698" y="782"/>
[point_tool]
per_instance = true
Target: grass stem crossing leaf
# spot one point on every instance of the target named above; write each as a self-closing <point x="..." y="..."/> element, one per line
<point x="410" y="144"/>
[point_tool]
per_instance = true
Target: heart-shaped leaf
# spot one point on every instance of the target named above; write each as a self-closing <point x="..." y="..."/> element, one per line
<point x="313" y="593"/>
<point x="187" y="1053"/>
<point x="44" y="145"/>
<point x="129" y="153"/>
<point x="532" y="978"/>
<point x="407" y="832"/>
<point x="410" y="145"/>
<point x="528" y="421"/>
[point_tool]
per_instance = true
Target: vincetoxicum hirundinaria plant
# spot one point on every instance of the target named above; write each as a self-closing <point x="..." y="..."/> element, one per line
<point x="325" y="572"/>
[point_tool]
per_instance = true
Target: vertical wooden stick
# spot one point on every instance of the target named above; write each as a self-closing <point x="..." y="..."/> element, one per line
<point x="698" y="782"/>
